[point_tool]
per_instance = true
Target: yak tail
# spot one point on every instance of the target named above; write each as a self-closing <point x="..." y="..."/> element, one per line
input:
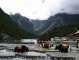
<point x="69" y="49"/>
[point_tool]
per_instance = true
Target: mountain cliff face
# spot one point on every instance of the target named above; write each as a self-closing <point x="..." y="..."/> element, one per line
<point x="16" y="26"/>
<point x="10" y="29"/>
<point x="49" y="24"/>
<point x="59" y="20"/>
<point x="23" y="22"/>
<point x="38" y="24"/>
<point x="67" y="19"/>
<point x="40" y="27"/>
<point x="31" y="26"/>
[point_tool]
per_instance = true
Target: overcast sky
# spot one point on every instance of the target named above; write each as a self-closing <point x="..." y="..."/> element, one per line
<point x="40" y="9"/>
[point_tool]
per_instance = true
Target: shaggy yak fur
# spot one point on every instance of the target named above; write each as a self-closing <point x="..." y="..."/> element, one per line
<point x="63" y="48"/>
<point x="21" y="49"/>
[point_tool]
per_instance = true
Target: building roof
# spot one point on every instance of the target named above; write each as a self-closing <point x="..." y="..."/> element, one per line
<point x="77" y="32"/>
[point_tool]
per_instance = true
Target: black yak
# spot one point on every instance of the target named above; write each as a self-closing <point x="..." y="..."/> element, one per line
<point x="21" y="49"/>
<point x="63" y="48"/>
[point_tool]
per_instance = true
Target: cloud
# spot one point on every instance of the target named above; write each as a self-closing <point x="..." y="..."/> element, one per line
<point x="40" y="9"/>
<point x="70" y="6"/>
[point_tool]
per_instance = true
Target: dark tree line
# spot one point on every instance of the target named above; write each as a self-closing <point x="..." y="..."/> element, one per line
<point x="60" y="31"/>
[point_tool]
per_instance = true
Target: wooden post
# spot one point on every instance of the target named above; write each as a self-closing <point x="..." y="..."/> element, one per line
<point x="77" y="44"/>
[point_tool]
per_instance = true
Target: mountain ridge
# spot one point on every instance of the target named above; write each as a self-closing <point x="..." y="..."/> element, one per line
<point x="61" y="19"/>
<point x="11" y="29"/>
<point x="23" y="22"/>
